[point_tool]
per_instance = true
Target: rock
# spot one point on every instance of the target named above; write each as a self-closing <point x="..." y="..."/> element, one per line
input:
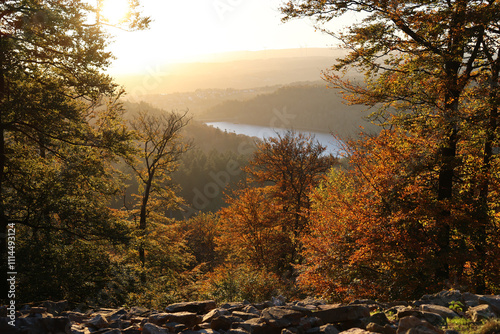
<point x="150" y="328"/>
<point x="356" y="331"/>
<point x="138" y="312"/>
<point x="325" y="329"/>
<point x="443" y="311"/>
<point x="56" y="308"/>
<point x="245" y="315"/>
<point x="98" y="322"/>
<point x="237" y="331"/>
<point x="282" y="316"/>
<point x="443" y="298"/>
<point x="480" y="312"/>
<point x="187" y="318"/>
<point x="199" y="307"/>
<point x="224" y="322"/>
<point x="433" y="318"/>
<point x="117" y="314"/>
<point x="251" y="309"/>
<point x="377" y="328"/>
<point x="379" y="319"/>
<point x="38" y="310"/>
<point x="217" y="312"/>
<point x="258" y="326"/>
<point x="412" y="324"/>
<point x="78" y="329"/>
<point x="134" y="329"/>
<point x="493" y="302"/>
<point x="342" y="313"/>
<point x="112" y="331"/>
<point x="76" y="316"/>
<point x="470" y="299"/>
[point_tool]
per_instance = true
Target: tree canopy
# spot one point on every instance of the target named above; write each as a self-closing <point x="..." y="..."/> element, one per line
<point x="431" y="71"/>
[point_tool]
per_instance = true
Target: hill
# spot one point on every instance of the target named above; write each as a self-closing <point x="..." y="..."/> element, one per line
<point x="305" y="106"/>
<point x="238" y="70"/>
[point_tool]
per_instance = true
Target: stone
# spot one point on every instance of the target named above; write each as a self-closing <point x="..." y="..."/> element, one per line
<point x="38" y="310"/>
<point x="342" y="313"/>
<point x="56" y="308"/>
<point x="251" y="309"/>
<point x="216" y="312"/>
<point x="199" y="307"/>
<point x="237" y="331"/>
<point x="134" y="329"/>
<point x="356" y="330"/>
<point x="137" y="311"/>
<point x="379" y="319"/>
<point x="78" y="329"/>
<point x="187" y="318"/>
<point x="98" y="322"/>
<point x="493" y="302"/>
<point x="414" y="325"/>
<point x="325" y="329"/>
<point x="150" y="328"/>
<point x="443" y="298"/>
<point x="224" y="322"/>
<point x="112" y="331"/>
<point x="443" y="311"/>
<point x="282" y="316"/>
<point x="377" y="328"/>
<point x="245" y="315"/>
<point x="258" y="326"/>
<point x="470" y="299"/>
<point x="480" y="312"/>
<point x="433" y="318"/>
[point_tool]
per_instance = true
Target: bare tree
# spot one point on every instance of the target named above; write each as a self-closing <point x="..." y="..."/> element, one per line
<point x="160" y="147"/>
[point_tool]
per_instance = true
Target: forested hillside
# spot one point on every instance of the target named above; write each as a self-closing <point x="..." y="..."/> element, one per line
<point x="307" y="106"/>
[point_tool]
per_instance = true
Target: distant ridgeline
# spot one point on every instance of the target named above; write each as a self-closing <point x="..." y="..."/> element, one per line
<point x="311" y="106"/>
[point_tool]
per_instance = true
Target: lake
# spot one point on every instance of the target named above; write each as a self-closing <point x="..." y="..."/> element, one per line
<point x="325" y="139"/>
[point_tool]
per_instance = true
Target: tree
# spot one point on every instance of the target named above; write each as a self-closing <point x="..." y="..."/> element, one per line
<point x="160" y="149"/>
<point x="423" y="63"/>
<point x="272" y="209"/>
<point x="58" y="137"/>
<point x="293" y="164"/>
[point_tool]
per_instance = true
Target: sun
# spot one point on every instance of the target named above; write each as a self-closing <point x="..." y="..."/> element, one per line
<point x="114" y="11"/>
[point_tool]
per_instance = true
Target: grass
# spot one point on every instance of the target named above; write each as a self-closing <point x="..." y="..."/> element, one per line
<point x="467" y="326"/>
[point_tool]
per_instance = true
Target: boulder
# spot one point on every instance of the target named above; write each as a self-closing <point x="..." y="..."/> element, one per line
<point x="377" y="328"/>
<point x="325" y="329"/>
<point x="414" y="325"/>
<point x="493" y="302"/>
<point x="334" y="314"/>
<point x="433" y="318"/>
<point x="282" y="316"/>
<point x="199" y="307"/>
<point x="480" y="312"/>
<point x="98" y="322"/>
<point x="150" y="328"/>
<point x="356" y="330"/>
<point x="443" y="311"/>
<point x="55" y="308"/>
<point x="216" y="312"/>
<point x="443" y="298"/>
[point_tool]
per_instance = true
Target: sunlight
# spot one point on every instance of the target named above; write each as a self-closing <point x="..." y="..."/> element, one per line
<point x="114" y="11"/>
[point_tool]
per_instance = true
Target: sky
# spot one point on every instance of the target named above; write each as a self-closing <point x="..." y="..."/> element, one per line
<point x="182" y="31"/>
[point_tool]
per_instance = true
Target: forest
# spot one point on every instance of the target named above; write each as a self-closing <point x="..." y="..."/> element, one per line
<point x="115" y="203"/>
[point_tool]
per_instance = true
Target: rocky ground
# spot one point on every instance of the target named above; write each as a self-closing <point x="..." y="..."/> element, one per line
<point x="429" y="315"/>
